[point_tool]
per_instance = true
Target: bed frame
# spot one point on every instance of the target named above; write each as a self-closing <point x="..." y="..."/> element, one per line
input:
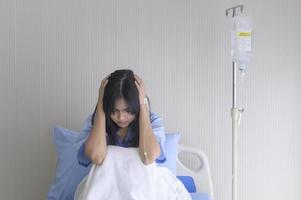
<point x="201" y="175"/>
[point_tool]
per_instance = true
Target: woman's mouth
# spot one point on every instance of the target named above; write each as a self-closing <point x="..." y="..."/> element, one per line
<point x="122" y="123"/>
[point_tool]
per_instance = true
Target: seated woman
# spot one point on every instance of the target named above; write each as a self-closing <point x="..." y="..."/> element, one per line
<point x="122" y="117"/>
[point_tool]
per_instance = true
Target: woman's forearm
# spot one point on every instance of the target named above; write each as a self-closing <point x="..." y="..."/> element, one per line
<point x="149" y="148"/>
<point x="96" y="145"/>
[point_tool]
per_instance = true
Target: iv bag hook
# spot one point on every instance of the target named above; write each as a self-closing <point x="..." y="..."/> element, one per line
<point x="233" y="9"/>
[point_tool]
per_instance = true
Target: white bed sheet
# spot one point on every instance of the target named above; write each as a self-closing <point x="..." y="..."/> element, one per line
<point x="123" y="176"/>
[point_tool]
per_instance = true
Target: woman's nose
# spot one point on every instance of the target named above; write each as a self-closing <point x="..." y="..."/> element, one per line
<point x="121" y="116"/>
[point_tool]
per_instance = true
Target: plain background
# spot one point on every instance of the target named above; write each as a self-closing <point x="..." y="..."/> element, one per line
<point x="53" y="55"/>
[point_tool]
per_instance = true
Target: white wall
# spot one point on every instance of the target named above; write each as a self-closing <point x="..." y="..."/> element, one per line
<point x="55" y="53"/>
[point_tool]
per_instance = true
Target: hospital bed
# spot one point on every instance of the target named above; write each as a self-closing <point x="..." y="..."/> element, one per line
<point x="69" y="173"/>
<point x="201" y="176"/>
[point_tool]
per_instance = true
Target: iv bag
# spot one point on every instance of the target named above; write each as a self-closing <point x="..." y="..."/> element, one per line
<point x="241" y="36"/>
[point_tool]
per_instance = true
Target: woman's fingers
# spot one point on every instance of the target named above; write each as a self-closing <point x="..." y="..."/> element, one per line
<point x="102" y="87"/>
<point x="140" y="85"/>
<point x="105" y="81"/>
<point x="137" y="85"/>
<point x="139" y="81"/>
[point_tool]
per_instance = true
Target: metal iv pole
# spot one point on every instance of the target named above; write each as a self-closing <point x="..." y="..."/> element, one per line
<point x="235" y="116"/>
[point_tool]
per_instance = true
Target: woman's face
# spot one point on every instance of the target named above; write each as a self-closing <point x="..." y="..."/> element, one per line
<point x="121" y="115"/>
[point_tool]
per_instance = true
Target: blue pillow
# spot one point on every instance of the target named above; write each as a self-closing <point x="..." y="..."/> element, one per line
<point x="171" y="151"/>
<point x="188" y="182"/>
<point x="68" y="172"/>
<point x="199" y="196"/>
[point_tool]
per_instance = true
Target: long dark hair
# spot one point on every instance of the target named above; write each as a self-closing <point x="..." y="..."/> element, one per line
<point x="121" y="84"/>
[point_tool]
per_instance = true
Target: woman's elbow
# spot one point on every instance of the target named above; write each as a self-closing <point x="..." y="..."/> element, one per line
<point x="148" y="161"/>
<point x="98" y="159"/>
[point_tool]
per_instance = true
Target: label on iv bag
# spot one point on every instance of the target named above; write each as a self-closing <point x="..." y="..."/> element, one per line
<point x="244" y="41"/>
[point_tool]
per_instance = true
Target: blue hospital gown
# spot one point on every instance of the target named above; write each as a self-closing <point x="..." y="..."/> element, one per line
<point x="158" y="130"/>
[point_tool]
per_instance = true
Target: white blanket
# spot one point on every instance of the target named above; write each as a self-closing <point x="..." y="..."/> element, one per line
<point x="123" y="176"/>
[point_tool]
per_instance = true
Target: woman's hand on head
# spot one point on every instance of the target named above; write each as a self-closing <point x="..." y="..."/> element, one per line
<point x="102" y="88"/>
<point x="141" y="88"/>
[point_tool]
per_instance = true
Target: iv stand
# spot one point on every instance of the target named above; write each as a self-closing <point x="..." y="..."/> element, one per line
<point x="235" y="116"/>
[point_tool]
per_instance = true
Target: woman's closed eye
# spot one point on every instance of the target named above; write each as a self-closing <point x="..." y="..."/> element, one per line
<point x="115" y="111"/>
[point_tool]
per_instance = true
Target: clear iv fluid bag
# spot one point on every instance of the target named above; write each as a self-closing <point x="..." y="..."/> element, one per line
<point x="241" y="36"/>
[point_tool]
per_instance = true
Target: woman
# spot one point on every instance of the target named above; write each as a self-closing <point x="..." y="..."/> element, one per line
<point x="122" y="117"/>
